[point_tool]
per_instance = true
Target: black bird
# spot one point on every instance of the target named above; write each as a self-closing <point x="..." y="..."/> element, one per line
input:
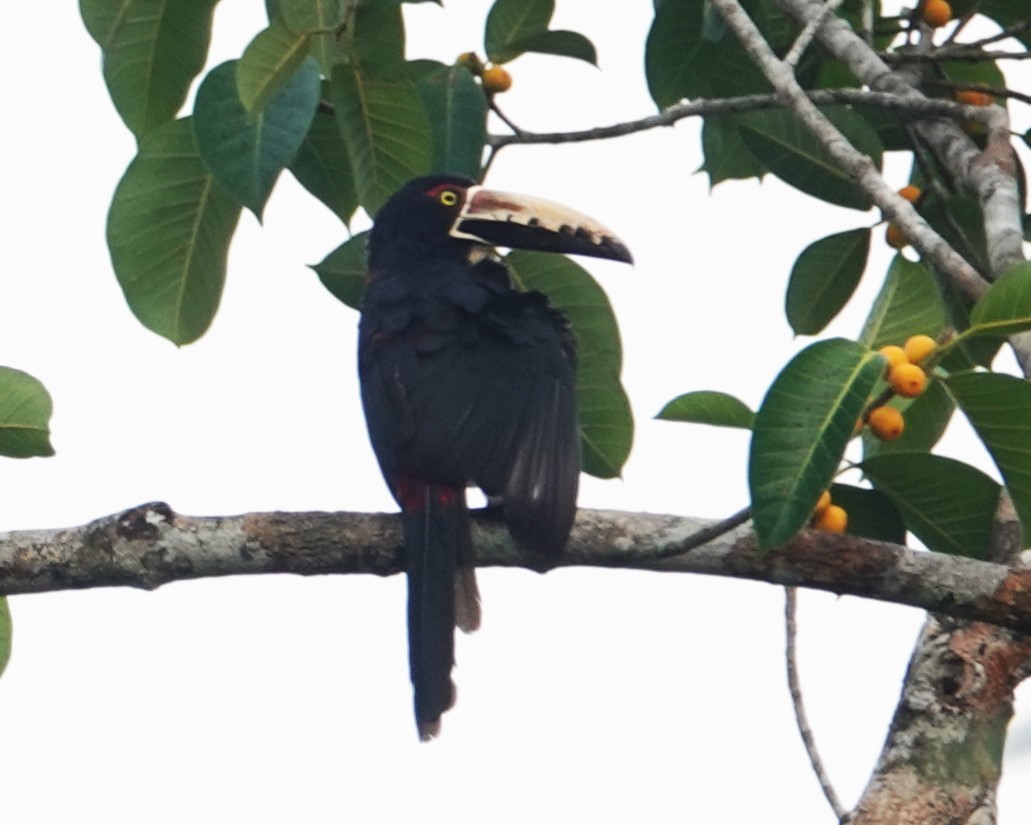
<point x="466" y="380"/>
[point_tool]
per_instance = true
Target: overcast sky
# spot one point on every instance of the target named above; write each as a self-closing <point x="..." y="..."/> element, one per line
<point x="588" y="695"/>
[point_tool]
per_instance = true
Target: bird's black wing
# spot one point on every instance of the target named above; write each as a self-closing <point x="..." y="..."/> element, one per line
<point x="480" y="388"/>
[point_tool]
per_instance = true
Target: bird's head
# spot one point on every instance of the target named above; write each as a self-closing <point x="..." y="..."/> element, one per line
<point x="451" y="216"/>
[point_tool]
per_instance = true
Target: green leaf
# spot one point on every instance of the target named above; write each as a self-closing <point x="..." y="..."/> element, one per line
<point x="708" y="407"/>
<point x="246" y="152"/>
<point x="686" y="58"/>
<point x="6" y="629"/>
<point x="510" y="21"/>
<point x="606" y="421"/>
<point x="168" y="231"/>
<point x="999" y="409"/>
<point x="789" y="151"/>
<point x="457" y="110"/>
<point x="674" y="41"/>
<point x="927" y="416"/>
<point x="1005" y="309"/>
<point x="960" y="221"/>
<point x="726" y="156"/>
<point x="945" y="503"/>
<point x="376" y="34"/>
<point x="269" y="63"/>
<point x="152" y="51"/>
<point x="320" y="19"/>
<point x="824" y="278"/>
<point x="385" y="126"/>
<point x="25" y="409"/>
<point x="323" y="167"/>
<point x="607" y="426"/>
<point x="870" y="513"/>
<point x="559" y="42"/>
<point x="908" y="304"/>
<point x="800" y="433"/>
<point x="342" y="271"/>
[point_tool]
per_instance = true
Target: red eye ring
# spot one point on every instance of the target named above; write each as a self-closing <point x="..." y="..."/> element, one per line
<point x="446" y="193"/>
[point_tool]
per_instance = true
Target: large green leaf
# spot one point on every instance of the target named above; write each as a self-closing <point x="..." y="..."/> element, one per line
<point x="510" y="21"/>
<point x="606" y="423"/>
<point x="726" y="156"/>
<point x="926" y="417"/>
<point x="168" y="231"/>
<point x="800" y="432"/>
<point x="6" y="629"/>
<point x="690" y="54"/>
<point x="790" y="151"/>
<point x="268" y="63"/>
<point x="559" y="42"/>
<point x="25" y="409"/>
<point x="246" y="152"/>
<point x="457" y="110"/>
<point x="870" y="513"/>
<point x="1005" y="309"/>
<point x="152" y="51"/>
<point x="321" y="20"/>
<point x="945" y="503"/>
<point x="385" y="126"/>
<point x="824" y="278"/>
<point x="342" y="271"/>
<point x="908" y="304"/>
<point x="323" y="166"/>
<point x="671" y="50"/>
<point x="708" y="407"/>
<point x="999" y="408"/>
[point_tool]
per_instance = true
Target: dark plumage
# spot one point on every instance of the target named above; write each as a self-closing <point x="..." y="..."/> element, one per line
<point x="465" y="381"/>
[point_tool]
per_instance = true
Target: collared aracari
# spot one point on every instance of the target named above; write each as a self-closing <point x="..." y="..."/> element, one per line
<point x="467" y="380"/>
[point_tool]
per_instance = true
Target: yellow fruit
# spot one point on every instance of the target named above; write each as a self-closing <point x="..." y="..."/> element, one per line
<point x="911" y="193"/>
<point x="895" y="237"/>
<point x="918" y="347"/>
<point x="908" y="380"/>
<point x="834" y="520"/>
<point x="972" y="97"/>
<point x="886" y="423"/>
<point x="496" y="79"/>
<point x="895" y="355"/>
<point x="823" y="503"/>
<point x="936" y="13"/>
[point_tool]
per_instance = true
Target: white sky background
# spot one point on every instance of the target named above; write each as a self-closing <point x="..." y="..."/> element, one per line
<point x="601" y="696"/>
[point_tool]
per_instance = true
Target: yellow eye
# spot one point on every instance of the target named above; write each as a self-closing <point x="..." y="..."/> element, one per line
<point x="448" y="197"/>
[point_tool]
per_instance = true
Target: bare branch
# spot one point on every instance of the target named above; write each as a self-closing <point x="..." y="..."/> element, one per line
<point x="990" y="174"/>
<point x="856" y="164"/>
<point x="954" y="54"/>
<point x="151" y="545"/>
<point x="907" y="107"/>
<point x="805" y="37"/>
<point x="795" y="687"/>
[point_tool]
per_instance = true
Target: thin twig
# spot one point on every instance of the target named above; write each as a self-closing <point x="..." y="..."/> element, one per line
<point x="795" y="687"/>
<point x="1005" y="34"/>
<point x="504" y="118"/>
<point x="906" y="106"/>
<point x="961" y="53"/>
<point x="705" y="535"/>
<point x="978" y="87"/>
<point x="807" y="34"/>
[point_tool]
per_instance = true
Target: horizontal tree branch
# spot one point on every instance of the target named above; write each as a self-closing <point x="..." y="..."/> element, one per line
<point x="914" y="108"/>
<point x="150" y="545"/>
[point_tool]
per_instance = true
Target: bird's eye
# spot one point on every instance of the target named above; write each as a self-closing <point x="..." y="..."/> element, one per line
<point x="448" y="197"/>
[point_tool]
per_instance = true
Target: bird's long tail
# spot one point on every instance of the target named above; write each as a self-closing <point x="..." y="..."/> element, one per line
<point x="441" y="593"/>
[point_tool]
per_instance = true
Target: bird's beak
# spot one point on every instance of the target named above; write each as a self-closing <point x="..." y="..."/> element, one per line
<point x="522" y="222"/>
